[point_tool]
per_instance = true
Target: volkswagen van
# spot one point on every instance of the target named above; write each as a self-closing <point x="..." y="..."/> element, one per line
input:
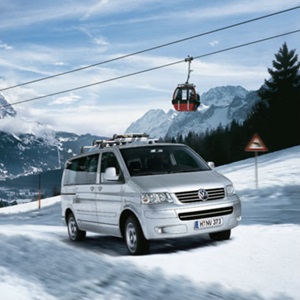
<point x="138" y="189"/>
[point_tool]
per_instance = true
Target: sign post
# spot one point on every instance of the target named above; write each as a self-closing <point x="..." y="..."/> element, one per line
<point x="256" y="145"/>
<point x="39" y="193"/>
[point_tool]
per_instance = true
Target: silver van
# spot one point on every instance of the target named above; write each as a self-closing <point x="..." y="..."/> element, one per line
<point x="136" y="188"/>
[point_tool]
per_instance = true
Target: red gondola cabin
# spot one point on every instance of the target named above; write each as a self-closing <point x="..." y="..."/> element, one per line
<point x="185" y="98"/>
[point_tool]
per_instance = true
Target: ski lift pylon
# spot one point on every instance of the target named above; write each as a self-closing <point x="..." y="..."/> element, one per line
<point x="185" y="97"/>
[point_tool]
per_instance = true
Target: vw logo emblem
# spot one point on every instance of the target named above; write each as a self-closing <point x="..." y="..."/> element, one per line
<point x="202" y="194"/>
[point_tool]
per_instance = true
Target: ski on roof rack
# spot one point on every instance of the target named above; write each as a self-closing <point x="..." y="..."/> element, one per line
<point x="130" y="135"/>
<point x="119" y="140"/>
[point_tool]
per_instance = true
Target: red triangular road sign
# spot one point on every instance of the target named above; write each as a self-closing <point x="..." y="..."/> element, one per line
<point x="256" y="144"/>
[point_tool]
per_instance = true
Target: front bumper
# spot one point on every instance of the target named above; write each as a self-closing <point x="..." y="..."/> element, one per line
<point x="180" y="220"/>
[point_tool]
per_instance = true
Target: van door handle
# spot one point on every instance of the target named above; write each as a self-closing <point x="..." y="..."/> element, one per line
<point x="92" y="188"/>
<point x="99" y="188"/>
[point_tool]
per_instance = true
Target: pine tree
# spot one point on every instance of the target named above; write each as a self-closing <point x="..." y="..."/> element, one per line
<point x="282" y="94"/>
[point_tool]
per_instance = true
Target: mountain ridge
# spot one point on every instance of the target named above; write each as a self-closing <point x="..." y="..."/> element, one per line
<point x="219" y="106"/>
<point x="6" y="109"/>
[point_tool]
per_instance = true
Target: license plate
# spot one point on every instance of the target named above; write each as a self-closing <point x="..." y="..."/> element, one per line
<point x="207" y="223"/>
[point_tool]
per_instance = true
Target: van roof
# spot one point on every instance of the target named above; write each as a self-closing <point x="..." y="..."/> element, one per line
<point x="121" y="140"/>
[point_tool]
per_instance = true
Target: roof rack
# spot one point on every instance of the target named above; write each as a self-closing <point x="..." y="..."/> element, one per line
<point x="119" y="140"/>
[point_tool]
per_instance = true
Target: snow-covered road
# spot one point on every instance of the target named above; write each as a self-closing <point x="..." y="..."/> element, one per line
<point x="260" y="261"/>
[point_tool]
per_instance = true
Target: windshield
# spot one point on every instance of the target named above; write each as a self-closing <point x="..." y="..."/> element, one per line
<point x="162" y="159"/>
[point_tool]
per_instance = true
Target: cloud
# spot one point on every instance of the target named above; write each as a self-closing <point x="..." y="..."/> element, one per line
<point x="237" y="7"/>
<point x="19" y="125"/>
<point x="117" y="7"/>
<point x="100" y="6"/>
<point x="96" y="38"/>
<point x="31" y="58"/>
<point x="214" y="43"/>
<point x="212" y="10"/>
<point x="18" y="14"/>
<point x="66" y="100"/>
<point x="5" y="46"/>
<point x="101" y="118"/>
<point x="60" y="63"/>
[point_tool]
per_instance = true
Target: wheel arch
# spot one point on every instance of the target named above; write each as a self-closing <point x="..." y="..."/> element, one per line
<point x="68" y="212"/>
<point x="124" y="216"/>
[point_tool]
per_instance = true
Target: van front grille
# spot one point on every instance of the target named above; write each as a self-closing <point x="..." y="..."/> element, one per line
<point x="192" y="196"/>
<point x="203" y="214"/>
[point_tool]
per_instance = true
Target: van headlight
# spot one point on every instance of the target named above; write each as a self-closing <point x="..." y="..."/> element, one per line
<point x="156" y="198"/>
<point x="230" y="190"/>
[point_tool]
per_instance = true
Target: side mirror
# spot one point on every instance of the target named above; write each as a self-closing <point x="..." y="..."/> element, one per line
<point x="111" y="174"/>
<point x="211" y="164"/>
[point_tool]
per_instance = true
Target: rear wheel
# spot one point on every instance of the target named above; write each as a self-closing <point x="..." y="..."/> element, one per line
<point x="221" y="235"/>
<point x="135" y="240"/>
<point x="74" y="232"/>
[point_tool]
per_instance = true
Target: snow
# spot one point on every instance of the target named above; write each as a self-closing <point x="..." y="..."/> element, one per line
<point x="260" y="261"/>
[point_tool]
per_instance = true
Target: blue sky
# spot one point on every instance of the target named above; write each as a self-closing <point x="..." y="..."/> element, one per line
<point x="42" y="38"/>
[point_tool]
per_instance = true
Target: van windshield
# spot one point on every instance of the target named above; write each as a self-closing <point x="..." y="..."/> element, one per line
<point x="162" y="159"/>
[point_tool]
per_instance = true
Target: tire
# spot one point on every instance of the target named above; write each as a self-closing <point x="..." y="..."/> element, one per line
<point x="221" y="235"/>
<point x="134" y="237"/>
<point x="75" y="234"/>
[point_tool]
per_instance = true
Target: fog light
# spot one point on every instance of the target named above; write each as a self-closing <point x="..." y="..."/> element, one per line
<point x="239" y="218"/>
<point x="158" y="230"/>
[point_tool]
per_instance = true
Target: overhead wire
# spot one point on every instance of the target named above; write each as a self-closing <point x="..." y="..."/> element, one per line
<point x="154" y="68"/>
<point x="149" y="49"/>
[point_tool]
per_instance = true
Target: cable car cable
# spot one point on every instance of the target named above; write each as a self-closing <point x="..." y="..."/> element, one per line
<point x="150" y="49"/>
<point x="151" y="69"/>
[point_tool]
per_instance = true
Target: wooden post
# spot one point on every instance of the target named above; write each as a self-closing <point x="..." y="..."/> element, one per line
<point x="256" y="170"/>
<point x="39" y="192"/>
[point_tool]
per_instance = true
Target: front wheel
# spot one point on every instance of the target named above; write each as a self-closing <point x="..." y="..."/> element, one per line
<point x="135" y="240"/>
<point x="74" y="232"/>
<point x="221" y="235"/>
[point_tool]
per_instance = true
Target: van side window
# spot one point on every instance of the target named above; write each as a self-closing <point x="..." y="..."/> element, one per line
<point x="109" y="160"/>
<point x="91" y="165"/>
<point x="82" y="170"/>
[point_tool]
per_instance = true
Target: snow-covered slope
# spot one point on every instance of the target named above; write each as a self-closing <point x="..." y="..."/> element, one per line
<point x="220" y="106"/>
<point x="260" y="261"/>
<point x="223" y="95"/>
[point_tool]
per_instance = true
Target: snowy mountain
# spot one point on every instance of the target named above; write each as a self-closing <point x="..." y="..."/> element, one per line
<point x="25" y="154"/>
<point x="28" y="147"/>
<point x="223" y="96"/>
<point x="260" y="261"/>
<point x="153" y="122"/>
<point x="6" y="109"/>
<point x="219" y="106"/>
